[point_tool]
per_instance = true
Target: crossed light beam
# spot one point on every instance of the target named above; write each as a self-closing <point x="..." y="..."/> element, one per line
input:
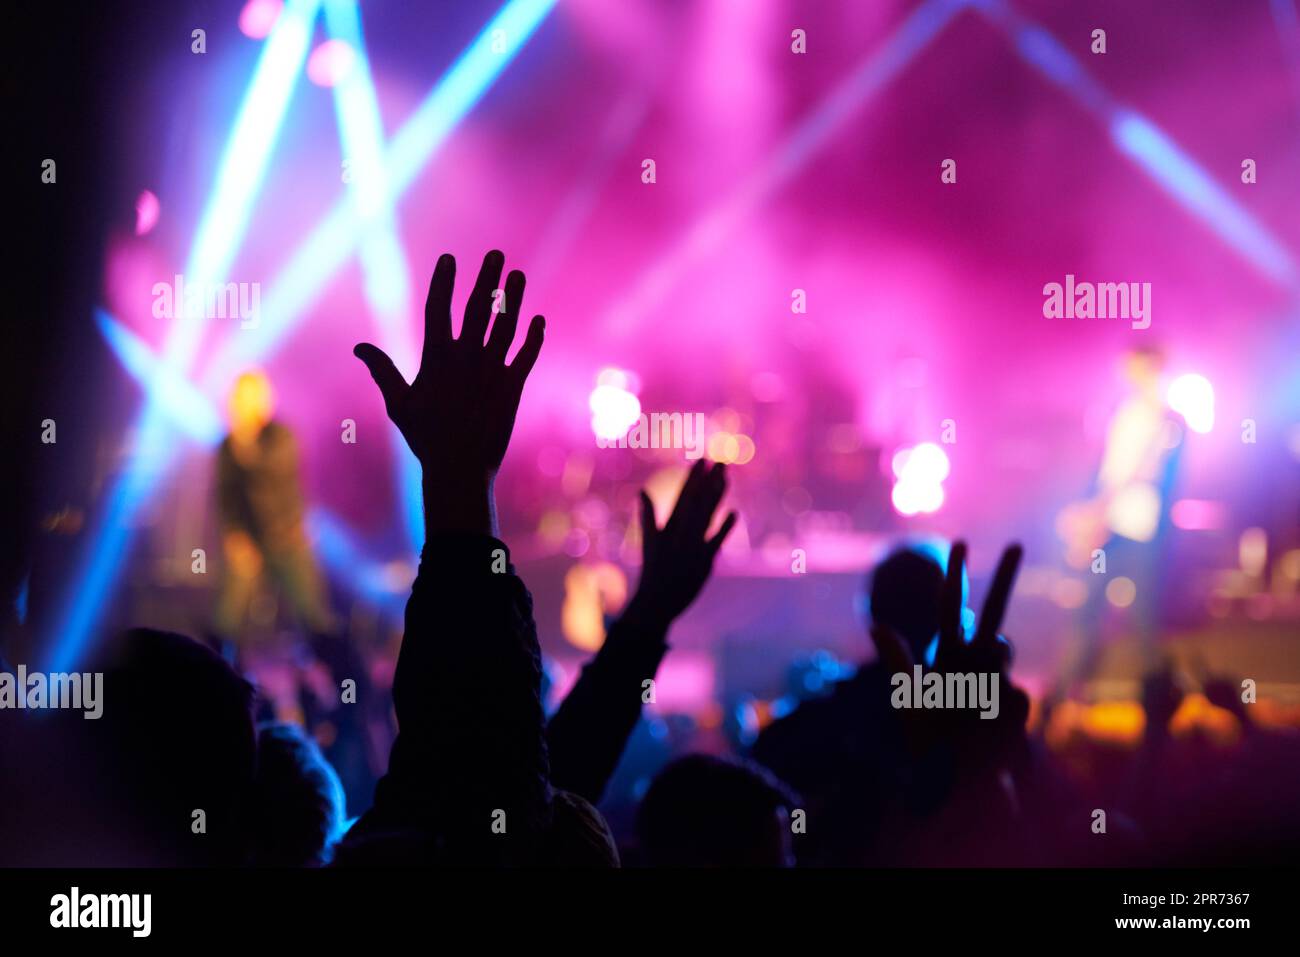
<point x="221" y="229"/>
<point x="334" y="240"/>
<point x="813" y="133"/>
<point x="1137" y="137"/>
<point x="220" y="234"/>
<point x="366" y="216"/>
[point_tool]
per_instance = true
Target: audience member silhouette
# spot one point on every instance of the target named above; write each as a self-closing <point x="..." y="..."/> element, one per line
<point x="705" y="811"/>
<point x="162" y="778"/>
<point x="844" y="751"/>
<point x="297" y="809"/>
<point x="868" y="769"/>
<point x="175" y="773"/>
<point x="590" y="730"/>
<point x="469" y="775"/>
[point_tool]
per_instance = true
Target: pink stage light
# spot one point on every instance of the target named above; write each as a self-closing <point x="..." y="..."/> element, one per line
<point x="1198" y="515"/>
<point x="147" y="209"/>
<point x="258" y="17"/>
<point x="1192" y="397"/>
<point x="330" y="62"/>
<point x="685" y="684"/>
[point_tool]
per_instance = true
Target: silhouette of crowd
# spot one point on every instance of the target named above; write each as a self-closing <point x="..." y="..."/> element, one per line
<point x="179" y="770"/>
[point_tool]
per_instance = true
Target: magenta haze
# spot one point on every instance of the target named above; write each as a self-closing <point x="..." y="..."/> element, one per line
<point x="1106" y="300"/>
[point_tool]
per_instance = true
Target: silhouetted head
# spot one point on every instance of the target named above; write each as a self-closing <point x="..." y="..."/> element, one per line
<point x="704" y="811"/>
<point x="906" y="592"/>
<point x="297" y="810"/>
<point x="252" y="404"/>
<point x="578" y="835"/>
<point x="163" y="776"/>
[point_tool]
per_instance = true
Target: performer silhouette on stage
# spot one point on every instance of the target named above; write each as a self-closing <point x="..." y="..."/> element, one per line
<point x="261" y="512"/>
<point x="1120" y="531"/>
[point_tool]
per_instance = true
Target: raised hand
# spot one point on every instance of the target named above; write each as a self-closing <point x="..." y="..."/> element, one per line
<point x="458" y="413"/>
<point x="987" y="650"/>
<point x="678" y="558"/>
<point x="979" y="742"/>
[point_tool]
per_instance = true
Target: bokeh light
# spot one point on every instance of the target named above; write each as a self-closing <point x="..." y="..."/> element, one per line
<point x="258" y="17"/>
<point x="614" y="408"/>
<point x="330" y="62"/>
<point x="147" y="210"/>
<point x="1192" y="397"/>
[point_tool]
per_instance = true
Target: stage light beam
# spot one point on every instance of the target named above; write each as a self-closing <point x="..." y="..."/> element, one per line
<point x="221" y="229"/>
<point x="387" y="281"/>
<point x="306" y="275"/>
<point x="188" y="409"/>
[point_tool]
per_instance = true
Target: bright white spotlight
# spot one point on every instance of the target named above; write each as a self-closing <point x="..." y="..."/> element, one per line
<point x="920" y="472"/>
<point x="916" y="498"/>
<point x="927" y="464"/>
<point x="904" y="498"/>
<point x="1192" y="397"/>
<point x="614" y="410"/>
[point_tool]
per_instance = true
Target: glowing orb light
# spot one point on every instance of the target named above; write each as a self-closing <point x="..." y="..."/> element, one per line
<point x="919" y="474"/>
<point x="330" y="62"/>
<point x="258" y="17"/>
<point x="614" y="407"/>
<point x="147" y="209"/>
<point x="1192" y="397"/>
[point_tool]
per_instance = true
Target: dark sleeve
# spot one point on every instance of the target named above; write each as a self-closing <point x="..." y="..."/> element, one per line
<point x="789" y="746"/>
<point x="471" y="739"/>
<point x="588" y="733"/>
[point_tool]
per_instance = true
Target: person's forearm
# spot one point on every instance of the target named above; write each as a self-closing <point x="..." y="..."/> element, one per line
<point x="457" y="503"/>
<point x="465" y="693"/>
<point x="644" y="616"/>
<point x="591" y="728"/>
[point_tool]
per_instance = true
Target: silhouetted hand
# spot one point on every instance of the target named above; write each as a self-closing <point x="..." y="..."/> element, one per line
<point x="458" y="413"/>
<point x="460" y="410"/>
<point x="980" y="742"/>
<point x="678" y="558"/>
<point x="987" y="650"/>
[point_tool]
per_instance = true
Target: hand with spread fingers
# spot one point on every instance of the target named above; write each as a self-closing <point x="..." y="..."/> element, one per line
<point x="678" y="558"/>
<point x="458" y="413"/>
